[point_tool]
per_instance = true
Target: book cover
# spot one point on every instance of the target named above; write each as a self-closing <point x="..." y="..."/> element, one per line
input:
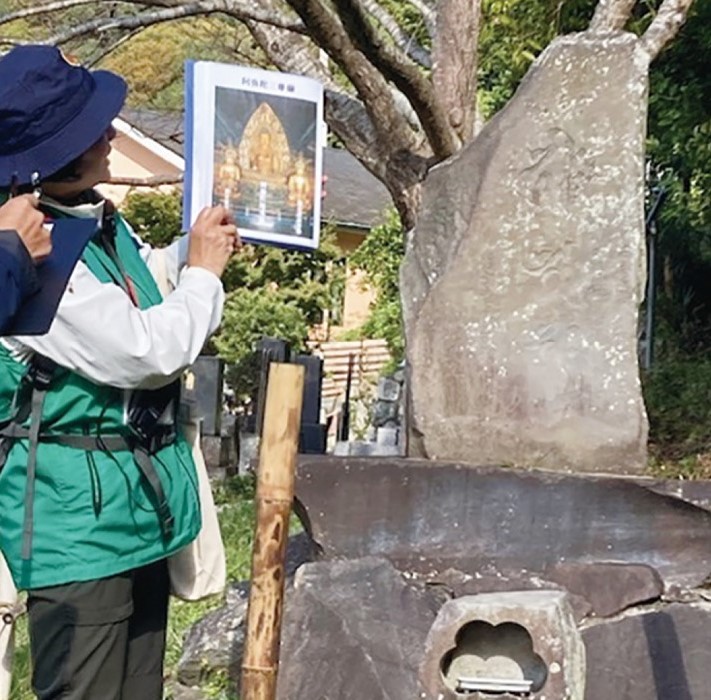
<point x="254" y="143"/>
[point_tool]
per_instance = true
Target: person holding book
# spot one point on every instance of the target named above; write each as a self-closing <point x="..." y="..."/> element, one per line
<point x="98" y="486"/>
<point x="24" y="241"/>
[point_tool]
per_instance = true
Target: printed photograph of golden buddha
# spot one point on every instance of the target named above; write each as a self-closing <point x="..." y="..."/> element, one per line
<point x="265" y="161"/>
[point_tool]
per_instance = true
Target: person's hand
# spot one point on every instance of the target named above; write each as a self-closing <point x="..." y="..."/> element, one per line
<point x="22" y="215"/>
<point x="213" y="239"/>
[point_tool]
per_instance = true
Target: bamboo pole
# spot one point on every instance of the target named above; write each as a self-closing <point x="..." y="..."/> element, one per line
<point x="275" y="494"/>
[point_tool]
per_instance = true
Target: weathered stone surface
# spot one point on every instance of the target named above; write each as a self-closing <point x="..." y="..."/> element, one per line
<point x="353" y="630"/>
<point x="388" y="390"/>
<point x="610" y="588"/>
<point x="521" y="635"/>
<point x="522" y="281"/>
<point x="216" y="642"/>
<point x="697" y="492"/>
<point x="177" y="691"/>
<point x="428" y="519"/>
<point x="457" y="584"/>
<point x="661" y="655"/>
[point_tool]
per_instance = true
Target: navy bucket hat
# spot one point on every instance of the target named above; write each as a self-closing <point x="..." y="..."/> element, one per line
<point x="51" y="111"/>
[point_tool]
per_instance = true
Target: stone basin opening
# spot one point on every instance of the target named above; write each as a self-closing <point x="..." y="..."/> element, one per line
<point x="501" y="653"/>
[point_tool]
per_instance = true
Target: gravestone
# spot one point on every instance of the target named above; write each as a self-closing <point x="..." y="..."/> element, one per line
<point x="522" y="281"/>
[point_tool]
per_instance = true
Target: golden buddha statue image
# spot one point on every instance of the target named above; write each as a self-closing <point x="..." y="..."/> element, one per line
<point x="228" y="173"/>
<point x="264" y="153"/>
<point x="300" y="185"/>
<point x="262" y="158"/>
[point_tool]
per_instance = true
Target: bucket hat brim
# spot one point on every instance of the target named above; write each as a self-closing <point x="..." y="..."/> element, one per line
<point x="74" y="138"/>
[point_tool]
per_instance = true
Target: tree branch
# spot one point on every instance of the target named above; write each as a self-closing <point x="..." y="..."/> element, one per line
<point x="407" y="43"/>
<point x="112" y="47"/>
<point x="344" y="114"/>
<point x="327" y="32"/>
<point x="42" y="9"/>
<point x="404" y="74"/>
<point x="611" y="15"/>
<point x="455" y="62"/>
<point x="190" y="9"/>
<point x="666" y="25"/>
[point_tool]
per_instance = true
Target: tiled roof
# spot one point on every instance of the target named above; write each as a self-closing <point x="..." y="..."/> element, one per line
<point x="355" y="198"/>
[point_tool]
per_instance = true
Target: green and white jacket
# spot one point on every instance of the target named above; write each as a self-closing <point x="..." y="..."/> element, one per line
<point x="94" y="515"/>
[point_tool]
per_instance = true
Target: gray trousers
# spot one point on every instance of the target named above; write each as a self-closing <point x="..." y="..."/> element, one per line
<point x="102" y="639"/>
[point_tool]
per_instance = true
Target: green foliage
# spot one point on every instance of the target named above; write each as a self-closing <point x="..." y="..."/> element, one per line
<point x="677" y="394"/>
<point x="250" y="314"/>
<point x="279" y="293"/>
<point x="680" y="154"/>
<point x="152" y="62"/>
<point x="314" y="281"/>
<point x="513" y="33"/>
<point x="155" y="216"/>
<point x="380" y="256"/>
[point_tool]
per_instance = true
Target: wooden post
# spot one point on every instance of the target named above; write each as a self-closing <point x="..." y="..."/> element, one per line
<point x="275" y="493"/>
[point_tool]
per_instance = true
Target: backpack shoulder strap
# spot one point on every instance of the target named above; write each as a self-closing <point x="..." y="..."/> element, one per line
<point x="29" y="402"/>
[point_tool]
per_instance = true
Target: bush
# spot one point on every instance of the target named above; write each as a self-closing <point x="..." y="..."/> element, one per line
<point x="380" y="257"/>
<point x="249" y="315"/>
<point x="678" y="398"/>
<point x="155" y="216"/>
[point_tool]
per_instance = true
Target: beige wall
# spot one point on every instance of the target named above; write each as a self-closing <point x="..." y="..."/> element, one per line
<point x="357" y="299"/>
<point x="131" y="159"/>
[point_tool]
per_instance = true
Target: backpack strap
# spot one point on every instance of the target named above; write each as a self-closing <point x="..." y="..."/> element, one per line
<point x="29" y="402"/>
<point x="143" y="444"/>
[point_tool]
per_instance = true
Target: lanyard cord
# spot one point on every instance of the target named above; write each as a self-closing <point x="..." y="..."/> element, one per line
<point x="108" y="243"/>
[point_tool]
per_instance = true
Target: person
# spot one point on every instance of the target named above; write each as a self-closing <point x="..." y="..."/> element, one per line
<point x="24" y="241"/>
<point x="98" y="485"/>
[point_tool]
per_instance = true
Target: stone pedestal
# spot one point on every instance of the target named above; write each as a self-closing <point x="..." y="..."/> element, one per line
<point x="501" y="639"/>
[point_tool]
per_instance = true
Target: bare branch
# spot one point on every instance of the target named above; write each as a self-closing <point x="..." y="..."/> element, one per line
<point x="666" y="25"/>
<point x="404" y="74"/>
<point x="41" y="9"/>
<point x="153" y="181"/>
<point x="190" y="9"/>
<point x="6" y="41"/>
<point x="409" y="45"/>
<point x="112" y="47"/>
<point x="611" y="15"/>
<point x="455" y="62"/>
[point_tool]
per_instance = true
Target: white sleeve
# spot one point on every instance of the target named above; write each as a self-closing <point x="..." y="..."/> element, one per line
<point x="102" y="336"/>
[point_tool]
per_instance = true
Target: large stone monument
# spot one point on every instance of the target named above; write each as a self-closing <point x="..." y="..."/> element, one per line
<point x="522" y="282"/>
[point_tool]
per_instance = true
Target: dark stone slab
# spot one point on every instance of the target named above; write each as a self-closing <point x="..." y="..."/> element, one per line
<point x="609" y="588"/>
<point x="429" y="516"/>
<point x="662" y="655"/>
<point x="353" y="630"/>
